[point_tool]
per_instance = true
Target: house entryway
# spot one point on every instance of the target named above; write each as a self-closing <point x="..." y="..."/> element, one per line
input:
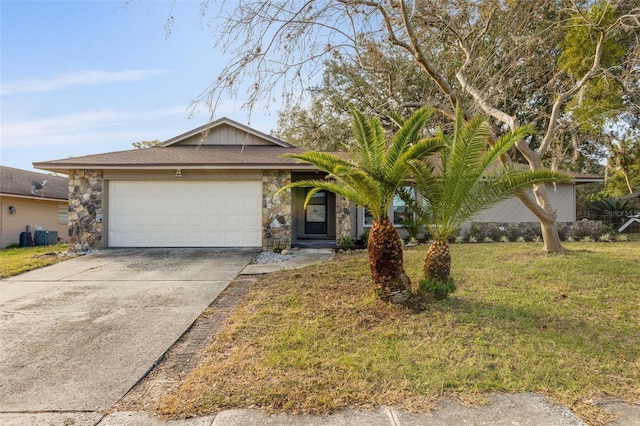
<point x="313" y="226"/>
<point x="315" y="244"/>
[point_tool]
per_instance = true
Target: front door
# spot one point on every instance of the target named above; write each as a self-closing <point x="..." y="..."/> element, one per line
<point x="315" y="217"/>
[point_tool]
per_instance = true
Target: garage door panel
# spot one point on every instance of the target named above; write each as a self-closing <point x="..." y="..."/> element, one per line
<point x="185" y="214"/>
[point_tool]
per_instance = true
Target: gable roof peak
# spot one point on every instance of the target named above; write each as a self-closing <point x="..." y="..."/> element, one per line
<point x="200" y="134"/>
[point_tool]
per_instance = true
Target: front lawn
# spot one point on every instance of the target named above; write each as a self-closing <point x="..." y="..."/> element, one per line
<point x="315" y="340"/>
<point x="15" y="261"/>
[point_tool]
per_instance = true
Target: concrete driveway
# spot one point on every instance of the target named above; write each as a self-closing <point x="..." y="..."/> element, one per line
<point x="76" y="336"/>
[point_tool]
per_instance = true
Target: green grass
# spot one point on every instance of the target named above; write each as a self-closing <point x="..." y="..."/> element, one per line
<point x="315" y="340"/>
<point x="15" y="261"/>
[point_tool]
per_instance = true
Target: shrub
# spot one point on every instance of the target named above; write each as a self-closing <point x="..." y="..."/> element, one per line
<point x="463" y="235"/>
<point x="347" y="242"/>
<point x="589" y="229"/>
<point x="440" y="289"/>
<point x="495" y="233"/>
<point x="476" y="232"/>
<point x="562" y="233"/>
<point x="513" y="233"/>
<point x="413" y="228"/>
<point x="13" y="245"/>
<point x="612" y="210"/>
<point x="504" y="239"/>
<point x="606" y="237"/>
<point x="364" y="238"/>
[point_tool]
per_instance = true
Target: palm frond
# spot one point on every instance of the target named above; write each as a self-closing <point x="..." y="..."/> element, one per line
<point x="324" y="161"/>
<point x="370" y="142"/>
<point x="516" y="181"/>
<point x="408" y="135"/>
<point x="468" y="180"/>
<point x="505" y="143"/>
<point x="397" y="119"/>
<point x="463" y="170"/>
<point x="319" y="184"/>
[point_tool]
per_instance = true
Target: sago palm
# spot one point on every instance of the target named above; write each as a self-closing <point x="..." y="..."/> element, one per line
<point x="369" y="176"/>
<point x="467" y="178"/>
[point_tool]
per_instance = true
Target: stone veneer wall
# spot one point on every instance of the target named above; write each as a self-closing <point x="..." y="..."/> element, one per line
<point x="276" y="211"/>
<point x="85" y="210"/>
<point x="343" y="218"/>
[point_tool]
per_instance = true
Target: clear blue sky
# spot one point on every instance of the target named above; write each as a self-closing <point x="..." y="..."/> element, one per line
<point x="86" y="77"/>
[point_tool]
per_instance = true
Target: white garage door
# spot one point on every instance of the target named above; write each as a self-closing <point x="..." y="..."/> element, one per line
<point x="185" y="214"/>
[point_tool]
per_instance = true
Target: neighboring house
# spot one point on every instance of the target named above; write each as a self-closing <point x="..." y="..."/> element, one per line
<point x="23" y="203"/>
<point x="211" y="187"/>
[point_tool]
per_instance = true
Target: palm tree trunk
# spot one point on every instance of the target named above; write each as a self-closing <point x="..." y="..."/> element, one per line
<point x="437" y="261"/>
<point x="385" y="259"/>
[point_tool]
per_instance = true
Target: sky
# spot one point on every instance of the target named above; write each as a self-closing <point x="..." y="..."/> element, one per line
<point x="89" y="76"/>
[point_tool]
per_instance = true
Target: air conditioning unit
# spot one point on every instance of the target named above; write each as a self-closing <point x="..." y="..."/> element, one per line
<point x="46" y="238"/>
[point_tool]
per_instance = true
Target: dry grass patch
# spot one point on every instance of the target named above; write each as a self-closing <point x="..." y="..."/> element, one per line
<point x="316" y="340"/>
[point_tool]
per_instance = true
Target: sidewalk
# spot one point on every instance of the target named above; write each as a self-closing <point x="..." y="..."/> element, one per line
<point x="523" y="409"/>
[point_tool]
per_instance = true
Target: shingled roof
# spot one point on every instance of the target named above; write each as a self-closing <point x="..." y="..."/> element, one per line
<point x="191" y="150"/>
<point x="16" y="182"/>
<point x="202" y="157"/>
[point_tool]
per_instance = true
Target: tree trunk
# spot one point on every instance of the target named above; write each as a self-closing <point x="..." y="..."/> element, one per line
<point x="437" y="261"/>
<point x="627" y="180"/>
<point x="551" y="238"/>
<point x="541" y="207"/>
<point x="385" y="259"/>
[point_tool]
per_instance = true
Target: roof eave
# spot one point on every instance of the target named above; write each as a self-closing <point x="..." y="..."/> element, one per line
<point x="67" y="167"/>
<point x="579" y="181"/>
<point x="31" y="197"/>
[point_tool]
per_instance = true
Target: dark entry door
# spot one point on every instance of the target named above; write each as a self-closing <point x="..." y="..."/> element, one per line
<point x="315" y="217"/>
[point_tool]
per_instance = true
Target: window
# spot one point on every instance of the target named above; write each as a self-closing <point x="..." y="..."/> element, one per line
<point x="63" y="215"/>
<point x="401" y="211"/>
<point x="367" y="219"/>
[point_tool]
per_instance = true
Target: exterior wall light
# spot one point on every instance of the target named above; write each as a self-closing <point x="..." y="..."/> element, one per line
<point x="12" y="210"/>
<point x="178" y="172"/>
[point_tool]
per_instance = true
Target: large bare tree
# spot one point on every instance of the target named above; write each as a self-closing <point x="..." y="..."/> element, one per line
<point x="491" y="56"/>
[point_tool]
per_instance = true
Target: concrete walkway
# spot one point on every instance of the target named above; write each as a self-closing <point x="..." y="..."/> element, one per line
<point x="55" y="284"/>
<point x="306" y="257"/>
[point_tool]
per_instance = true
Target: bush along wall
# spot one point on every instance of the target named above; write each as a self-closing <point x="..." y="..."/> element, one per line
<point x="584" y="230"/>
